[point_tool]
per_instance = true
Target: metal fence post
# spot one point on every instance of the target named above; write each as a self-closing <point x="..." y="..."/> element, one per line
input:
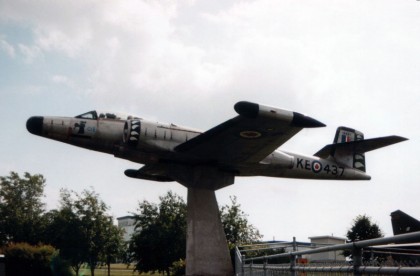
<point x="357" y="260"/>
<point x="2" y="266"/>
<point x="292" y="265"/>
<point x="293" y="259"/>
<point x="243" y="264"/>
<point x="265" y="266"/>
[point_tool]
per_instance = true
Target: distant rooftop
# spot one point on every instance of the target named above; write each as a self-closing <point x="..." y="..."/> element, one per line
<point x="125" y="217"/>
<point x="328" y="237"/>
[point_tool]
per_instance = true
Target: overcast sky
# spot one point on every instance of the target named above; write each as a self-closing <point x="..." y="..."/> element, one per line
<point x="351" y="63"/>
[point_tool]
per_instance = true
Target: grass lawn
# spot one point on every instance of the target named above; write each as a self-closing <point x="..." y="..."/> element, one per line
<point x="116" y="270"/>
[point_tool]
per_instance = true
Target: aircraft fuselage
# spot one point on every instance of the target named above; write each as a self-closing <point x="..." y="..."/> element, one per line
<point x="148" y="142"/>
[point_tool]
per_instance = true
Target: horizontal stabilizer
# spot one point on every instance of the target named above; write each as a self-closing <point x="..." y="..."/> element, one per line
<point x="361" y="146"/>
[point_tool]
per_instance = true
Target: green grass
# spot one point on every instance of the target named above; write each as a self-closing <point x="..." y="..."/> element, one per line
<point x="116" y="270"/>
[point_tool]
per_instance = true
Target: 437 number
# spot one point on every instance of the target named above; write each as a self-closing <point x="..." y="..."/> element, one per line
<point x="334" y="170"/>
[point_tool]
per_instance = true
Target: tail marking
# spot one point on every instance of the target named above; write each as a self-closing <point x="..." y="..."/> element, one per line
<point x="349" y="147"/>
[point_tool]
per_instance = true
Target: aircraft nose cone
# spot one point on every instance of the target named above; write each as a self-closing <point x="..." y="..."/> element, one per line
<point x="34" y="125"/>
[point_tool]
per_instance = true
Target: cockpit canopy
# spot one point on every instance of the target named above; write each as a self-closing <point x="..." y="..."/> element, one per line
<point x="95" y="115"/>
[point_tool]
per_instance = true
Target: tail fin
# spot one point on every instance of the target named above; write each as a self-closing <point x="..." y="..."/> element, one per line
<point x="349" y="147"/>
<point x="403" y="223"/>
<point x="348" y="156"/>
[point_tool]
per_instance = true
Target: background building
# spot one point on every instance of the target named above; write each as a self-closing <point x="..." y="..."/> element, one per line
<point x="127" y="224"/>
<point x="334" y="256"/>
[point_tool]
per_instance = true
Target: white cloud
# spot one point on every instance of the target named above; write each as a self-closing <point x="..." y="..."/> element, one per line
<point x="7" y="48"/>
<point x="29" y="53"/>
<point x="63" y="80"/>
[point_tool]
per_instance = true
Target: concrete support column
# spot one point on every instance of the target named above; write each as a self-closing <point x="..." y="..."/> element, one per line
<point x="207" y="251"/>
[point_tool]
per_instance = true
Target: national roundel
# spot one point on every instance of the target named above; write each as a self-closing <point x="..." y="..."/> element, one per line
<point x="316" y="166"/>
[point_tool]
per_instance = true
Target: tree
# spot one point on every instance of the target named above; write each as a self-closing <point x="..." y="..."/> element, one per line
<point x="65" y="233"/>
<point x="236" y="226"/>
<point x="362" y="229"/>
<point x="21" y="208"/>
<point x="82" y="230"/>
<point x="91" y="212"/>
<point x="160" y="235"/>
<point x="113" y="245"/>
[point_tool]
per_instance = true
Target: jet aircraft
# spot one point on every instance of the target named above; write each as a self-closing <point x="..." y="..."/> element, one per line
<point x="403" y="223"/>
<point x="401" y="253"/>
<point x="245" y="145"/>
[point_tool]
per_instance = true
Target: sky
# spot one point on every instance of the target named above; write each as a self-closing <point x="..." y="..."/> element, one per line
<point x="344" y="63"/>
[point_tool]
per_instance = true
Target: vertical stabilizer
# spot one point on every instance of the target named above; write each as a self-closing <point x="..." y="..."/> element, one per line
<point x="346" y="156"/>
<point x="403" y="223"/>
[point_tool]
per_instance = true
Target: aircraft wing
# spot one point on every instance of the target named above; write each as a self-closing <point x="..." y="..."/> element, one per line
<point x="250" y="137"/>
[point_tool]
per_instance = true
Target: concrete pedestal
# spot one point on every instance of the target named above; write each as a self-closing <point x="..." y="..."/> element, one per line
<point x="207" y="251"/>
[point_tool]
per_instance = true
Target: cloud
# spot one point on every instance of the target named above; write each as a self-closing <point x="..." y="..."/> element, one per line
<point x="29" y="53"/>
<point x="7" y="48"/>
<point x="142" y="55"/>
<point x="63" y="80"/>
<point x="190" y="61"/>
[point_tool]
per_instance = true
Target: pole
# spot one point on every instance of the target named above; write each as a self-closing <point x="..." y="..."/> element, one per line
<point x="357" y="260"/>
<point x="293" y="259"/>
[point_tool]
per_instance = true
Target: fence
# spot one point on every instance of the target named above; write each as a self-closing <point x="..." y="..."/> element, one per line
<point x="374" y="257"/>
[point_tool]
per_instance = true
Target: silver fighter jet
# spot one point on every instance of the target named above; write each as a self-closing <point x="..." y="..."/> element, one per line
<point x="245" y="145"/>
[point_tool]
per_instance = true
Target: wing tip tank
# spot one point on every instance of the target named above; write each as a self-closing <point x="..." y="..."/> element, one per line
<point x="253" y="110"/>
<point x="247" y="109"/>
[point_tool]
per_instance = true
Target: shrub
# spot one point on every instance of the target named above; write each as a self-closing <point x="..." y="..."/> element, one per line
<point x="178" y="268"/>
<point x="25" y="259"/>
<point x="59" y="266"/>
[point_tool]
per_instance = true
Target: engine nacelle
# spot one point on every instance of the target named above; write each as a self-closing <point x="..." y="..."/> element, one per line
<point x="131" y="134"/>
<point x="279" y="158"/>
<point x="138" y="174"/>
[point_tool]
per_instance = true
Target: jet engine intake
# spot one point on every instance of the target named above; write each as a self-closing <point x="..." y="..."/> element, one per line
<point x="131" y="134"/>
